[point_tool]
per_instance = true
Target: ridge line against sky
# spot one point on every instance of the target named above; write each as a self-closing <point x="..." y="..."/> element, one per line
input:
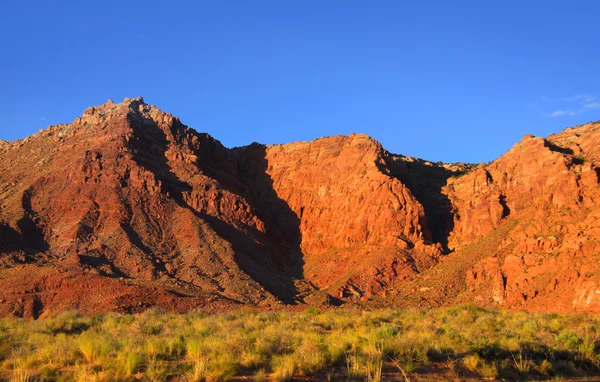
<point x="439" y="81"/>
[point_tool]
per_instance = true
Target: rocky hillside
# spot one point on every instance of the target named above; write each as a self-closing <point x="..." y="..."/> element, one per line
<point x="525" y="230"/>
<point x="127" y="208"/>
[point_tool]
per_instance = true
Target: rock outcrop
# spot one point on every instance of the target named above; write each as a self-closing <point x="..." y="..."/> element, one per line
<point x="127" y="200"/>
<point x="127" y="208"/>
<point x="525" y="229"/>
<point x="358" y="228"/>
<point x="128" y="195"/>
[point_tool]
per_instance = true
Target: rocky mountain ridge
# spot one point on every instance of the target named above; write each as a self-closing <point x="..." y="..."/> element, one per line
<point x="127" y="208"/>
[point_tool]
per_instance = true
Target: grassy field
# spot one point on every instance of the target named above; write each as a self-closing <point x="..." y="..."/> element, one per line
<point x="460" y="342"/>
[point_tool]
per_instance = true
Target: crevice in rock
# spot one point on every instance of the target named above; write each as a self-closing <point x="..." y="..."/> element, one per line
<point x="505" y="209"/>
<point x="425" y="181"/>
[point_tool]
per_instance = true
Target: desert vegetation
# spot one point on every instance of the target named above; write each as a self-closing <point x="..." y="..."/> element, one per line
<point x="338" y="344"/>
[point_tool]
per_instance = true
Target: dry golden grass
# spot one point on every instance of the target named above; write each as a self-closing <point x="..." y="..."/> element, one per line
<point x="335" y="344"/>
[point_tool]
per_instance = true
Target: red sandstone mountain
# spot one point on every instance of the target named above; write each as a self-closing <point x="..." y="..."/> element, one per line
<point x="128" y="208"/>
<point x="525" y="230"/>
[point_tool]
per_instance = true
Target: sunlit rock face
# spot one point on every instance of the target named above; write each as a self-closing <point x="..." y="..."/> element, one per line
<point x="128" y="208"/>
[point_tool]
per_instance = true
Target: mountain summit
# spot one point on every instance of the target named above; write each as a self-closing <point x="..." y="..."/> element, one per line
<point x="127" y="208"/>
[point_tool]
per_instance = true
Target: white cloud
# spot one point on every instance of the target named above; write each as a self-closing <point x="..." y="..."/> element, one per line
<point x="584" y="98"/>
<point x="561" y="113"/>
<point x="583" y="103"/>
<point x="592" y="105"/>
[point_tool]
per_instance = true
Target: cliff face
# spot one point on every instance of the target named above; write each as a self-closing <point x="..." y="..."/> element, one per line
<point x="130" y="198"/>
<point x="127" y="208"/>
<point x="127" y="201"/>
<point x="581" y="141"/>
<point x="525" y="227"/>
<point x="358" y="228"/>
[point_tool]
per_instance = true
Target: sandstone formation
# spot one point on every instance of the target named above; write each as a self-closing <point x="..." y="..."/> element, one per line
<point x="127" y="208"/>
<point x="128" y="195"/>
<point x="357" y="228"/>
<point x="525" y="229"/>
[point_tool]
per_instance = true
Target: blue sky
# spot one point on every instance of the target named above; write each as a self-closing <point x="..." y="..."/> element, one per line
<point x="441" y="80"/>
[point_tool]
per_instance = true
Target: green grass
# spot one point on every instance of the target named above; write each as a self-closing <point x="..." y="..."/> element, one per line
<point x="336" y="344"/>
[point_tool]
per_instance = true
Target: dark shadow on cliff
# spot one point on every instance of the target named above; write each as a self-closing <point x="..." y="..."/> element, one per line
<point x="29" y="237"/>
<point x="9" y="239"/>
<point x="104" y="266"/>
<point x="505" y="209"/>
<point x="425" y="181"/>
<point x="282" y="223"/>
<point x="558" y="149"/>
<point x="22" y="245"/>
<point x="255" y="254"/>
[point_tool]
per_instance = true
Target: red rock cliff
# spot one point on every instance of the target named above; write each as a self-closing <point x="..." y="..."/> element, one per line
<point x="127" y="208"/>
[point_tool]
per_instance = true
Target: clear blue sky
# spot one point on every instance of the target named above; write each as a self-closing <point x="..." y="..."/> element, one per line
<point x="442" y="80"/>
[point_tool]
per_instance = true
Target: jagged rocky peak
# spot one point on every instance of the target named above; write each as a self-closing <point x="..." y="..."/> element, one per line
<point x="135" y="108"/>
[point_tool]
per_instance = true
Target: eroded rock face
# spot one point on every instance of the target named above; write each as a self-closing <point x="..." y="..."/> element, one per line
<point x="581" y="141"/>
<point x="532" y="176"/>
<point x="129" y="200"/>
<point x="549" y="193"/>
<point x="127" y="208"/>
<point x="127" y="192"/>
<point x="359" y="228"/>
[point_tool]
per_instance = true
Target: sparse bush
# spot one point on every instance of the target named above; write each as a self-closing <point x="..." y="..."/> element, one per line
<point x="221" y="367"/>
<point x="89" y="347"/>
<point x="488" y="370"/>
<point x="545" y="368"/>
<point x="312" y="310"/>
<point x="471" y="362"/>
<point x="130" y="361"/>
<point x="283" y="368"/>
<point x="310" y="355"/>
<point x="69" y="322"/>
<point x="260" y="375"/>
<point x="156" y="371"/>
